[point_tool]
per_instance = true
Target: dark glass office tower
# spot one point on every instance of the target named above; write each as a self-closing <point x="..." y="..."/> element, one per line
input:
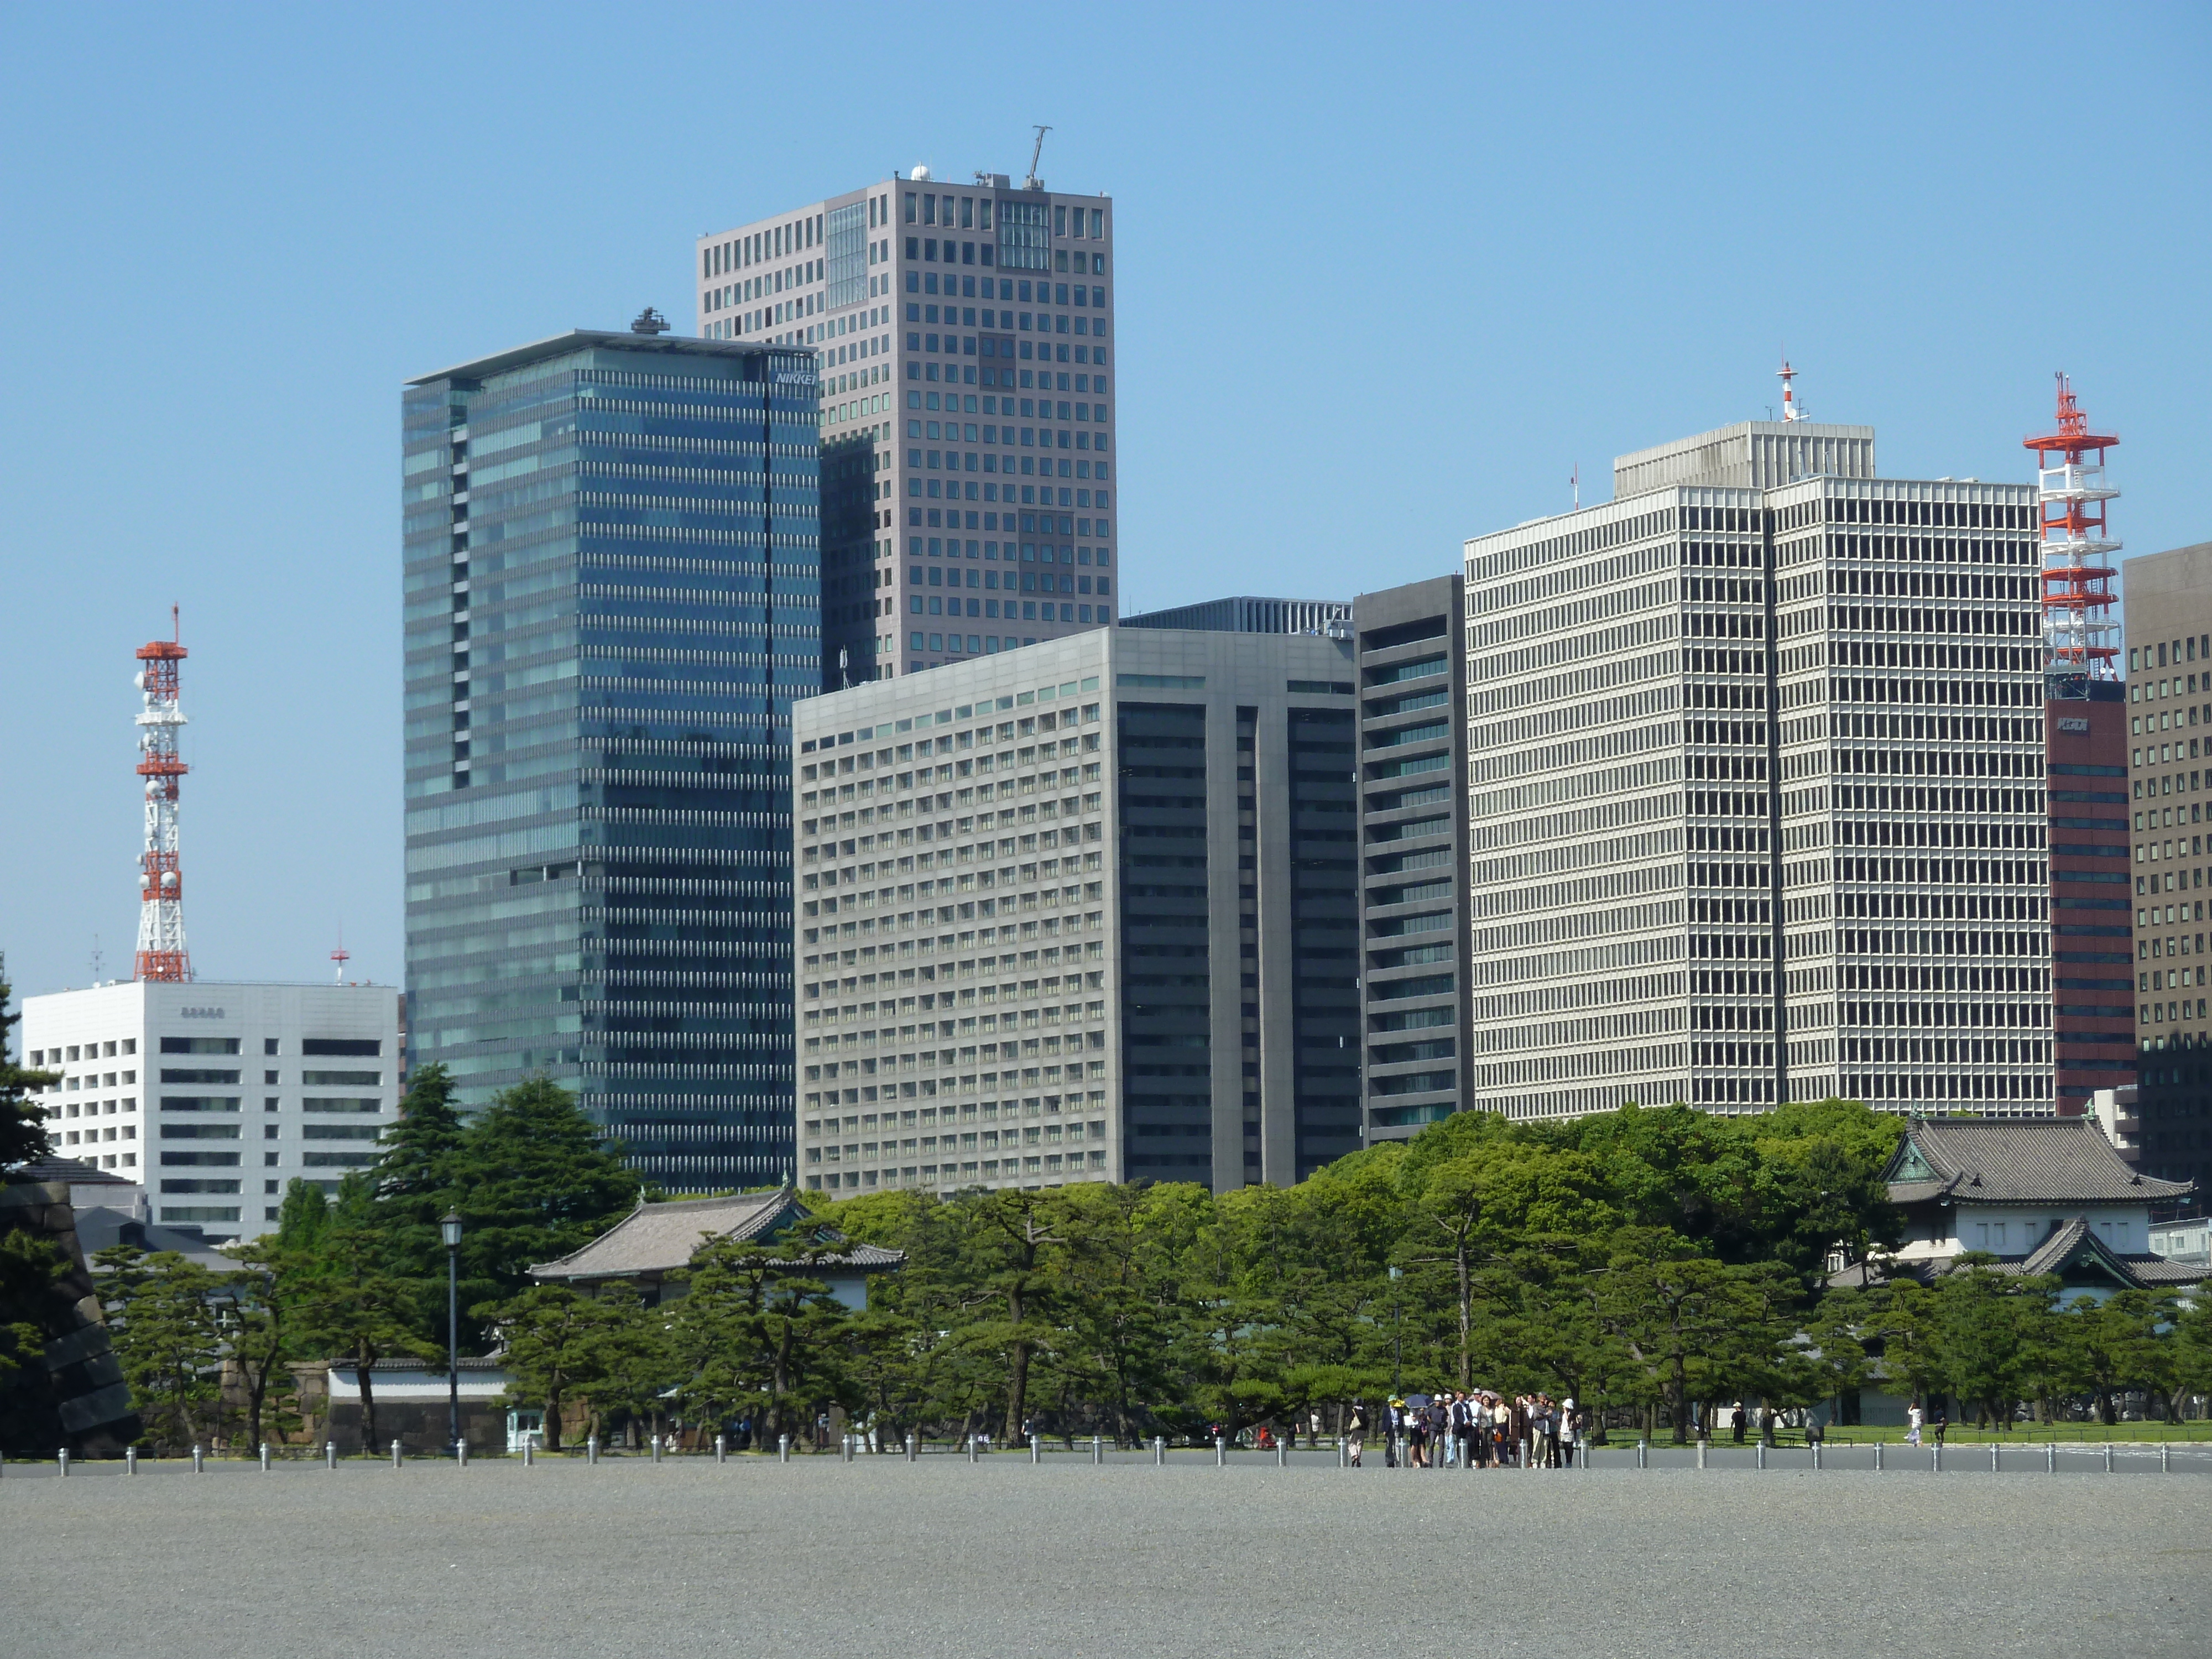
<point x="612" y="598"/>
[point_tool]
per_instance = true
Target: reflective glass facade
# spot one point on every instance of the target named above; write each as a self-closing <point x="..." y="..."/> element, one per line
<point x="612" y="597"/>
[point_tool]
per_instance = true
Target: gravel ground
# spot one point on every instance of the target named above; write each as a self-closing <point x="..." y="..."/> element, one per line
<point x="1004" y="1560"/>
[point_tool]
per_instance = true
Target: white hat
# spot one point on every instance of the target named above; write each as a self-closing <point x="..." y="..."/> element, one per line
<point x="1570" y="1402"/>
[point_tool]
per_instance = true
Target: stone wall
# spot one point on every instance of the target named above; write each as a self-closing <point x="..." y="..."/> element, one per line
<point x="82" y="1402"/>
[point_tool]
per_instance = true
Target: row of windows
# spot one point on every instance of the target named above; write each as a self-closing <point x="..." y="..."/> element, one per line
<point x="931" y="251"/>
<point x="771" y="244"/>
<point x="975" y="214"/>
<point x="1030" y="583"/>
<point x="986" y="644"/>
<point x="1080" y="296"/>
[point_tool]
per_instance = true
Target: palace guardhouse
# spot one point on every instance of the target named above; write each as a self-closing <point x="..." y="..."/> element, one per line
<point x="656" y="1241"/>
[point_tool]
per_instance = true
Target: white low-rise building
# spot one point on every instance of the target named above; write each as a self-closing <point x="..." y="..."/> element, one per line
<point x="213" y="1097"/>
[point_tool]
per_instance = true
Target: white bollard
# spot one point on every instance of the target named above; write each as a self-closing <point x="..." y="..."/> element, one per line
<point x="395" y="1454"/>
<point x="61" y="1457"/>
<point x="1097" y="1449"/>
<point x="913" y="1447"/>
<point x="330" y="1454"/>
<point x="1877" y="1457"/>
<point x="1221" y="1452"/>
<point x="721" y="1449"/>
<point x="529" y="1452"/>
<point x="783" y="1449"/>
<point x="2051" y="1457"/>
<point x="199" y="1460"/>
<point x="265" y="1457"/>
<point x="130" y="1460"/>
<point x="592" y="1451"/>
<point x="1159" y="1450"/>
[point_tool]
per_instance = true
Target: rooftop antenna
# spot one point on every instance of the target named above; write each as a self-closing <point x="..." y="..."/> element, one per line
<point x="2081" y="639"/>
<point x="1790" y="411"/>
<point x="98" y="960"/>
<point x="1033" y="182"/>
<point x="1575" y="481"/>
<point x="161" y="954"/>
<point x="341" y="955"/>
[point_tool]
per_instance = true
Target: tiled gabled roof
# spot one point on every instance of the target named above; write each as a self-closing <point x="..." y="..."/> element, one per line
<point x="2062" y="1160"/>
<point x="656" y="1239"/>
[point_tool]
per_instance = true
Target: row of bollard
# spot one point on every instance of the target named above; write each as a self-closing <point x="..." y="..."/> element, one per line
<point x="851" y="1443"/>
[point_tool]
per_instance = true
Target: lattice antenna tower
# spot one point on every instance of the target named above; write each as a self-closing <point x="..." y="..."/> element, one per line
<point x="162" y="953"/>
<point x="2081" y="639"/>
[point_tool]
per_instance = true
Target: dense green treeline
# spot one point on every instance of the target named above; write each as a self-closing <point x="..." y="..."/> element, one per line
<point x="1642" y="1260"/>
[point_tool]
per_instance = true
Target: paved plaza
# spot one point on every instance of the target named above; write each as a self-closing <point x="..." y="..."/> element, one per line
<point x="1002" y="1559"/>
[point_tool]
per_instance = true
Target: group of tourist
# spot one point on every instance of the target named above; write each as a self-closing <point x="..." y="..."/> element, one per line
<point x="1474" y="1430"/>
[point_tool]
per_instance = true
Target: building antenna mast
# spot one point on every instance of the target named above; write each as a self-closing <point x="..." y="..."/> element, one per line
<point x="1790" y="411"/>
<point x="1033" y="182"/>
<point x="341" y="955"/>
<point x="161" y="882"/>
<point x="2081" y="639"/>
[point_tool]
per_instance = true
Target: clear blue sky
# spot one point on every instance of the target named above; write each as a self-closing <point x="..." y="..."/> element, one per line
<point x="1388" y="275"/>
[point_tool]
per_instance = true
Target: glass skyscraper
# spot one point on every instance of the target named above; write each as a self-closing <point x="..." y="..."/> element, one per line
<point x="612" y="596"/>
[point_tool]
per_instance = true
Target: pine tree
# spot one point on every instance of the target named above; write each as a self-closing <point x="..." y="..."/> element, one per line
<point x="414" y="1176"/>
<point x="533" y="1179"/>
<point x="22" y="1121"/>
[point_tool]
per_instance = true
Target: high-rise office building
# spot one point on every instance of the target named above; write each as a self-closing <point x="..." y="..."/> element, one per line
<point x="2169" y="738"/>
<point x="611" y="604"/>
<point x="1084" y="911"/>
<point x="965" y="337"/>
<point x="1756" y="803"/>
<point x="1413" y="889"/>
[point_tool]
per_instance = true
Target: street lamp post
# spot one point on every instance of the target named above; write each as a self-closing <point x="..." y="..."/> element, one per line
<point x="1397" y="1328"/>
<point x="450" y="1229"/>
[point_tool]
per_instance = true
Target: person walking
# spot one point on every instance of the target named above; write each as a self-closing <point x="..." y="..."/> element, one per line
<point x="1355" y="1437"/>
<point x="1735" y="1422"/>
<point x="1942" y="1426"/>
<point x="1913" y="1419"/>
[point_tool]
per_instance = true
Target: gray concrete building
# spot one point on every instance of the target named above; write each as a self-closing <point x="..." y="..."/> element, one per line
<point x="2168" y="641"/>
<point x="1246" y="614"/>
<point x="1081" y="911"/>
<point x="1756" y="806"/>
<point x="1413" y="891"/>
<point x="964" y="338"/>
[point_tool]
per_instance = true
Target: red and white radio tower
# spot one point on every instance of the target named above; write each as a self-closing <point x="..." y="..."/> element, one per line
<point x="2081" y="639"/>
<point x="161" y="882"/>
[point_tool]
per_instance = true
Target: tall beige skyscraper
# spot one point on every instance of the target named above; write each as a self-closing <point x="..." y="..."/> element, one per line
<point x="965" y="335"/>
<point x="1756" y="803"/>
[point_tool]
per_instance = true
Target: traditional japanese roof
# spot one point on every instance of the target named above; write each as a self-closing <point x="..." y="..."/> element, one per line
<point x="2062" y="1160"/>
<point x="54" y="1167"/>
<point x="656" y="1239"/>
<point x="2071" y="1246"/>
